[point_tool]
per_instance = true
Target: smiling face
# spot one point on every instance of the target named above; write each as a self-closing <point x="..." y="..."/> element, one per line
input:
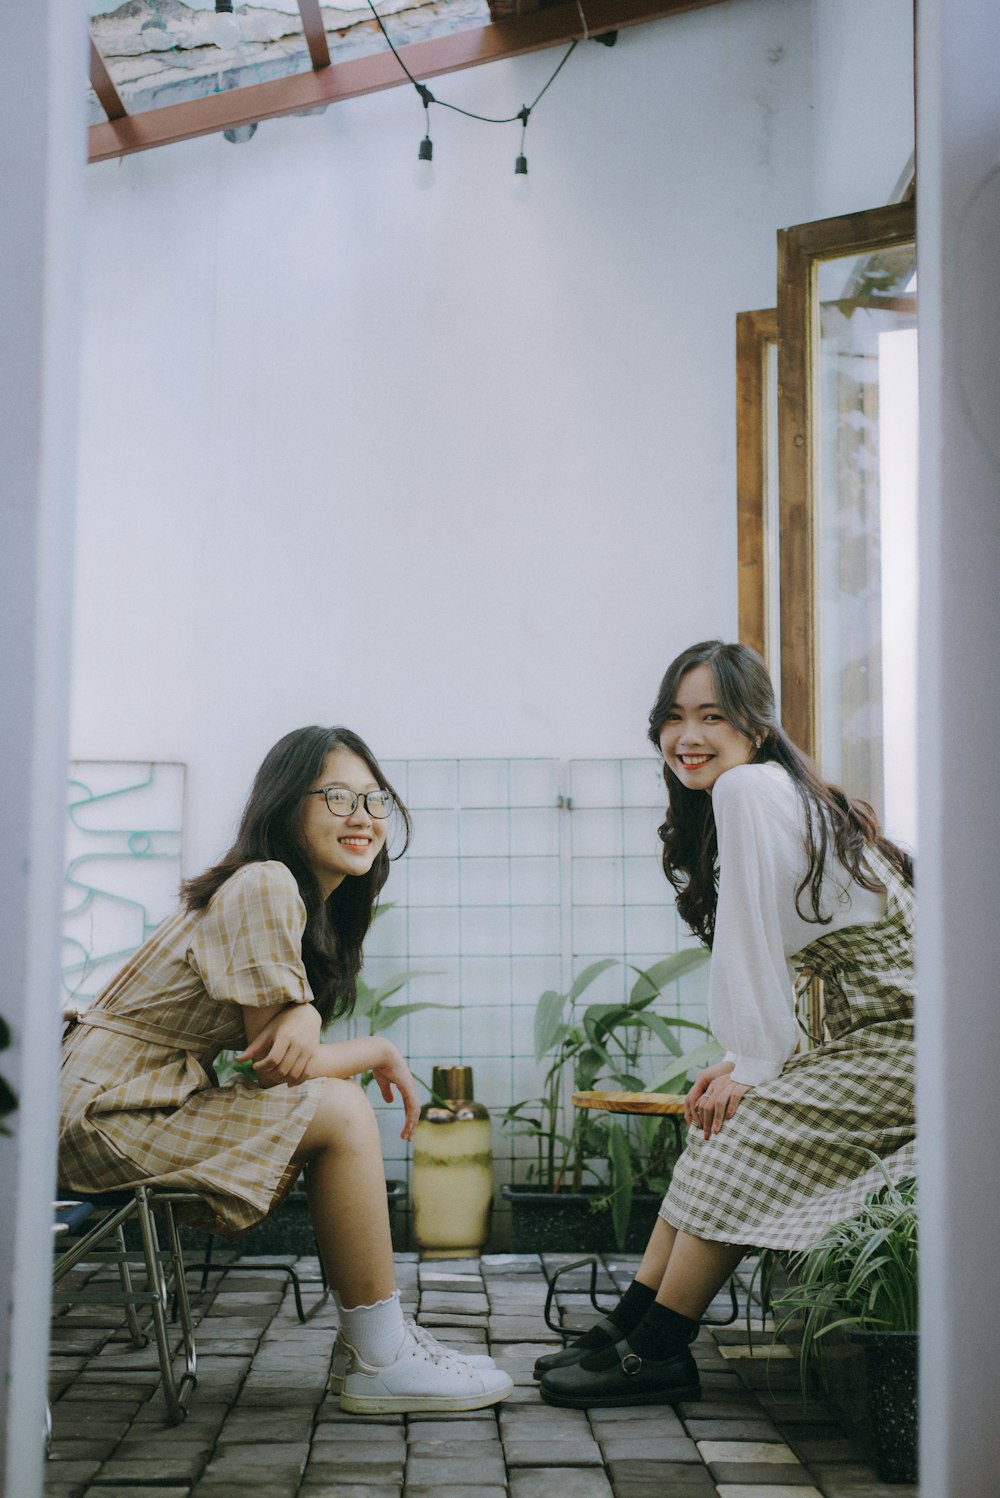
<point x="698" y="743"/>
<point x="337" y="846"/>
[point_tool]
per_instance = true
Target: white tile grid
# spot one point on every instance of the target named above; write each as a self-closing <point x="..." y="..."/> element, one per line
<point x="480" y="904"/>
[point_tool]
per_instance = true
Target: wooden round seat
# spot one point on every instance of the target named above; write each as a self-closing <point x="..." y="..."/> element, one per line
<point x="671" y="1103"/>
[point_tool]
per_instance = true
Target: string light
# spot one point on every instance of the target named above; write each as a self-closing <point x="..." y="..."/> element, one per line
<point x="226" y="32"/>
<point x="426" y="149"/>
<point x="426" y="152"/>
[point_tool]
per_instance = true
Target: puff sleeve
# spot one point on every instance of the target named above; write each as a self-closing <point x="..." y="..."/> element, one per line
<point x="247" y="949"/>
<point x="761" y="857"/>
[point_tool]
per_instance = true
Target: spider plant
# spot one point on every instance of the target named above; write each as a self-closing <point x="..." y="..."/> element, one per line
<point x="861" y="1274"/>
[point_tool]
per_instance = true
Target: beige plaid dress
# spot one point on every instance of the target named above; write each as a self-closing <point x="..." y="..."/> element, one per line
<point x="139" y="1098"/>
<point x="792" y="1158"/>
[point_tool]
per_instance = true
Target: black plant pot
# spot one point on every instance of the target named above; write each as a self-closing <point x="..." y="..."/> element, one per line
<point x="568" y="1222"/>
<point x="891" y="1383"/>
<point x="871" y="1377"/>
<point x="288" y="1230"/>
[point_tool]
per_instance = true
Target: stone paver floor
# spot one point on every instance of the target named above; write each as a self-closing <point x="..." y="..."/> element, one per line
<point x="262" y="1421"/>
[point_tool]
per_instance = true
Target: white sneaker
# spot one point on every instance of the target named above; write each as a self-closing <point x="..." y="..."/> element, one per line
<point x="420" y="1380"/>
<point x="342" y="1354"/>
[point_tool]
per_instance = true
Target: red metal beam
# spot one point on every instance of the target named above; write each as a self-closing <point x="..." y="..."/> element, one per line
<point x="103" y="86"/>
<point x="315" y="33"/>
<point x="366" y="75"/>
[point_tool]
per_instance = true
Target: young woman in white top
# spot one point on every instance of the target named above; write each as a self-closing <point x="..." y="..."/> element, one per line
<point x="780" y="874"/>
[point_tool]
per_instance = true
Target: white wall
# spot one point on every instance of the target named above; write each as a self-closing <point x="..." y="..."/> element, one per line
<point x="862" y="101"/>
<point x="293" y="350"/>
<point x="958" y="224"/>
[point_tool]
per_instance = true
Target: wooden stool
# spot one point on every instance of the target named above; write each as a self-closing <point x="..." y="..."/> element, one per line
<point x="662" y="1104"/>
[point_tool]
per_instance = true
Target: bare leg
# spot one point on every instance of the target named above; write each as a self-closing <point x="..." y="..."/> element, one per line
<point x="696" y="1271"/>
<point x="657" y="1255"/>
<point x="686" y="1272"/>
<point x="347" y="1196"/>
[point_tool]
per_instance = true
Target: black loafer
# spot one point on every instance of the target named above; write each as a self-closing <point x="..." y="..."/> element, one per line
<point x="622" y="1377"/>
<point x="608" y="1332"/>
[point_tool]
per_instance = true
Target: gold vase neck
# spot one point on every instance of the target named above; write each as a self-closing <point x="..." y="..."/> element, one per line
<point x="453" y="1083"/>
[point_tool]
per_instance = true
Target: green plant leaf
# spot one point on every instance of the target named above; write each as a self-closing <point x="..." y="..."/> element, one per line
<point x="652" y="980"/>
<point x="395" y="983"/>
<point x="548" y="1019"/>
<point x="389" y="1014"/>
<point x="620" y="1162"/>
<point x="595" y="1016"/>
<point x="702" y="1055"/>
<point x="586" y="978"/>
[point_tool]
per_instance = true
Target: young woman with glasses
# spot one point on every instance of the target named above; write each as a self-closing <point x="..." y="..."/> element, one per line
<point x="266" y="948"/>
<point x="779" y="873"/>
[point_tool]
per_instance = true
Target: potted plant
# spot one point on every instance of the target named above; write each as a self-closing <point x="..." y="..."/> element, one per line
<point x="852" y="1298"/>
<point x="597" y="1180"/>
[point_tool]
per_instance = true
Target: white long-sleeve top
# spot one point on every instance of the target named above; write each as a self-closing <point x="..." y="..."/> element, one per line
<point x="763" y="858"/>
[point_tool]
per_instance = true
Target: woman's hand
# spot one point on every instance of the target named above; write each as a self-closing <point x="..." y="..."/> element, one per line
<point x="283" y="1048"/>
<point x="394" y="1072"/>
<point x="714" y="1097"/>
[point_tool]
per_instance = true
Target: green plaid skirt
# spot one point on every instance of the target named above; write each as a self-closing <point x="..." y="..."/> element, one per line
<point x="792" y="1158"/>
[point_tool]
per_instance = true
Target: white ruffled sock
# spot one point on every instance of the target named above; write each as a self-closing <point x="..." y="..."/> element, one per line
<point x="375" y="1332"/>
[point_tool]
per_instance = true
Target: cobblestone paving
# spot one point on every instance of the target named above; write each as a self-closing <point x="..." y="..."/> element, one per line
<point x="262" y="1421"/>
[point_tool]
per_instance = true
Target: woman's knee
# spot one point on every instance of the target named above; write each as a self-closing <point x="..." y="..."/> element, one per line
<point x="343" y="1109"/>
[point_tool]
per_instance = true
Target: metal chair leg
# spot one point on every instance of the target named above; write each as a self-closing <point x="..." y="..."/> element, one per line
<point x="734" y="1308"/>
<point x="590" y="1263"/>
<point x="136" y="1333"/>
<point x="176" y="1393"/>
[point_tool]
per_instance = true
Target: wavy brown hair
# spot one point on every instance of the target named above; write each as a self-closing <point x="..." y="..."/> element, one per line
<point x="832" y="818"/>
<point x="271" y="828"/>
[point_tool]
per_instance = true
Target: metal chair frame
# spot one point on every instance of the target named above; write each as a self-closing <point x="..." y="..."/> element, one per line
<point x="164" y="1276"/>
<point x="593" y="1265"/>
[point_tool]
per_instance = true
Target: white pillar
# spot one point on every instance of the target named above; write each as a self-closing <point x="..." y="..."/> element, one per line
<point x="42" y="164"/>
<point x="958" y="1031"/>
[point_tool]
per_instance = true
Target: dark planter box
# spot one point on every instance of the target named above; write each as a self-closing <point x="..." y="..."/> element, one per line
<point x="567" y="1221"/>
<point x="288" y="1230"/>
<point x="871" y="1378"/>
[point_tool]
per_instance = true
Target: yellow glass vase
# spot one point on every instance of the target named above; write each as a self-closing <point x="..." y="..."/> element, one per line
<point x="452" y="1169"/>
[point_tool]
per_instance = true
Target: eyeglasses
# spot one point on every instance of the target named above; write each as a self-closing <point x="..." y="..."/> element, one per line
<point x="343" y="803"/>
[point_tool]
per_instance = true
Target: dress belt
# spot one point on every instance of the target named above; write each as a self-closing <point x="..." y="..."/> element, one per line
<point x="136" y="1029"/>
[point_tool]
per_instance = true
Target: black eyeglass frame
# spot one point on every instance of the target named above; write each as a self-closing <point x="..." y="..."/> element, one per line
<point x="359" y="796"/>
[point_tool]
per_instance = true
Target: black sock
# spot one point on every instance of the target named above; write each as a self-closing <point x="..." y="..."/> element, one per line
<point x="627" y="1314"/>
<point x="662" y="1333"/>
<point x="632" y="1307"/>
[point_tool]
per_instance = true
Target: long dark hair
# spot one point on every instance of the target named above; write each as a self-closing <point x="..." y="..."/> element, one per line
<point x="690" y="846"/>
<point x="271" y="828"/>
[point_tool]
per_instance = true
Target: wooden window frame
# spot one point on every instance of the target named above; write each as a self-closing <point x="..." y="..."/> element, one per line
<point x="800" y="250"/>
<point x="756" y="334"/>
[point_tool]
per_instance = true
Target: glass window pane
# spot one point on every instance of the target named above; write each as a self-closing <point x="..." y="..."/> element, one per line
<point x="866" y="530"/>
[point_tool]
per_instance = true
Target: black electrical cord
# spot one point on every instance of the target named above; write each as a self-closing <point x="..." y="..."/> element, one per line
<point x="427" y="98"/>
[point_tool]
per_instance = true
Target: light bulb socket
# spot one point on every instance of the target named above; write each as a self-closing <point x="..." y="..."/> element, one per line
<point x="426" y="152"/>
<point x="521" y="166"/>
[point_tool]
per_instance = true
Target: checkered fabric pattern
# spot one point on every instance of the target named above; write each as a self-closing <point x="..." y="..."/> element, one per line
<point x="139" y="1101"/>
<point x="791" y="1160"/>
